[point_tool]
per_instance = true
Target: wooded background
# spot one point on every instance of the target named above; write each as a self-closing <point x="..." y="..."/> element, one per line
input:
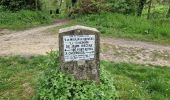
<point x="134" y="7"/>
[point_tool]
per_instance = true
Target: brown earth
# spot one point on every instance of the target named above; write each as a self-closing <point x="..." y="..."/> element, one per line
<point x="120" y="50"/>
<point x="38" y="41"/>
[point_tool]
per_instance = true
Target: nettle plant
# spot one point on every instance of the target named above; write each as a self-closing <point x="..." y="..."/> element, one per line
<point x="55" y="85"/>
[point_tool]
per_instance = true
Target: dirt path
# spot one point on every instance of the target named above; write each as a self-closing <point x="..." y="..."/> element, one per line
<point x="38" y="41"/>
<point x="119" y="50"/>
<point x="29" y="42"/>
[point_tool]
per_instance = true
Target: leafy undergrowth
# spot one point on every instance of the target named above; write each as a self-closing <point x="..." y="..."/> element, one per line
<point x="58" y="85"/>
<point x="20" y="79"/>
<point x="158" y="11"/>
<point x="127" y="26"/>
<point x="140" y="82"/>
<point x="23" y="19"/>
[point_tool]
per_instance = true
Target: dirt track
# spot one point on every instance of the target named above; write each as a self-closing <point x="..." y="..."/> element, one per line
<point x="38" y="41"/>
<point x="120" y="50"/>
<point x="29" y="42"/>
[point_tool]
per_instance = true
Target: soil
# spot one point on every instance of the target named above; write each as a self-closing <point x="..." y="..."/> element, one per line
<point x="120" y="50"/>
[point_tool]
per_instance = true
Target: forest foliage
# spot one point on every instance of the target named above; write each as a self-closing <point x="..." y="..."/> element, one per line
<point x="16" y="5"/>
<point x="134" y="7"/>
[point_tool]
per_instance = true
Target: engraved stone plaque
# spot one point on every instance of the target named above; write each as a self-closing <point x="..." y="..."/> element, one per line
<point x="79" y="47"/>
<point x="79" y="52"/>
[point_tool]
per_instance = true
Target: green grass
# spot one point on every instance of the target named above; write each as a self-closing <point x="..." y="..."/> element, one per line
<point x="131" y="27"/>
<point x="19" y="78"/>
<point x="140" y="82"/>
<point x="23" y="19"/>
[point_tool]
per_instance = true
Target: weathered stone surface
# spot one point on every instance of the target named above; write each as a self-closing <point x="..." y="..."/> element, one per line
<point x="77" y="56"/>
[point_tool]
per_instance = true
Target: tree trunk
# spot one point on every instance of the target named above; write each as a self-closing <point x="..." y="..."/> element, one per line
<point x="60" y="1"/>
<point x="168" y="13"/>
<point x="140" y="7"/>
<point x="36" y="4"/>
<point x="149" y="9"/>
<point x="73" y="2"/>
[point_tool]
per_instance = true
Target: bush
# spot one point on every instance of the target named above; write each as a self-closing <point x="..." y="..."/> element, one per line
<point x="87" y="7"/>
<point x="123" y="6"/>
<point x="96" y="6"/>
<point x="15" y="5"/>
<point x="55" y="85"/>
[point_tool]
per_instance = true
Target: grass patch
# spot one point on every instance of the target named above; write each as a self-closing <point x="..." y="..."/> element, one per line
<point x="19" y="78"/>
<point x="23" y="19"/>
<point x="140" y="82"/>
<point x="131" y="27"/>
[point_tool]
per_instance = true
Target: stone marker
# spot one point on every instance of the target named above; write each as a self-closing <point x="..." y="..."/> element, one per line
<point x="79" y="52"/>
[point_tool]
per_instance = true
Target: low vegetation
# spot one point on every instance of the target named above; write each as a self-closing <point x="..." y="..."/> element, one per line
<point x="19" y="78"/>
<point x="23" y="19"/>
<point x="140" y="81"/>
<point x="57" y="85"/>
<point x="127" y="26"/>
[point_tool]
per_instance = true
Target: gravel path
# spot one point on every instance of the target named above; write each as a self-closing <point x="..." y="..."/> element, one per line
<point x="38" y="41"/>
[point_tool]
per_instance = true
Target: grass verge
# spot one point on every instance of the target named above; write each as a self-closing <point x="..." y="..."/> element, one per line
<point x="131" y="27"/>
<point x="140" y="82"/>
<point x="19" y="76"/>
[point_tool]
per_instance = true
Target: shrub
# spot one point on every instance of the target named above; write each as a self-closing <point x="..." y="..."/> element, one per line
<point x="87" y="7"/>
<point x="123" y="6"/>
<point x="15" y="5"/>
<point x="96" y="6"/>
